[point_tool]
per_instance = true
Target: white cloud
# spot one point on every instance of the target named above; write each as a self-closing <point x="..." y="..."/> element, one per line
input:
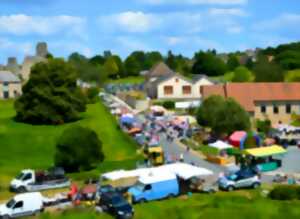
<point x="227" y="12"/>
<point x="21" y="24"/>
<point x="130" y="21"/>
<point x="196" y="2"/>
<point x="172" y="23"/>
<point x="284" y="21"/>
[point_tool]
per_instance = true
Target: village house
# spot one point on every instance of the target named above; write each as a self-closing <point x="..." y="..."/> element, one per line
<point x="163" y="83"/>
<point x="274" y="101"/>
<point x="10" y="85"/>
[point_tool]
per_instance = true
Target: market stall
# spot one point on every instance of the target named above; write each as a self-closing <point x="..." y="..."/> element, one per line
<point x="221" y="156"/>
<point x="265" y="158"/>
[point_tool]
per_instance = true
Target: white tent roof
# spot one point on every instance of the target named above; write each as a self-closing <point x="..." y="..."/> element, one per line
<point x="156" y="176"/>
<point x="187" y="104"/>
<point x="182" y="170"/>
<point x="157" y="108"/>
<point x="186" y="171"/>
<point x="119" y="174"/>
<point x="221" y="145"/>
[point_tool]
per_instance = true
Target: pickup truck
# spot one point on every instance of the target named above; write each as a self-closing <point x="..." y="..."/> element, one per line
<point x="31" y="180"/>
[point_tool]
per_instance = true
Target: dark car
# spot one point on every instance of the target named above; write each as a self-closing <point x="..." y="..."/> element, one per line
<point x="115" y="204"/>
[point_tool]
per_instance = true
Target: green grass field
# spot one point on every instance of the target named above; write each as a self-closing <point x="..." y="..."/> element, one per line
<point x="236" y="205"/>
<point x="292" y="76"/>
<point x="130" y="80"/>
<point x="27" y="146"/>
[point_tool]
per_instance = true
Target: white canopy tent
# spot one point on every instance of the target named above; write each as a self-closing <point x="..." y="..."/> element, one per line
<point x="182" y="170"/>
<point x="220" y="145"/>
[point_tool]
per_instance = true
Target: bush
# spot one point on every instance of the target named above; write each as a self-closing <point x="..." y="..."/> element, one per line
<point x="169" y="104"/>
<point x="92" y="94"/>
<point x="285" y="192"/>
<point x="78" y="149"/>
<point x="263" y="126"/>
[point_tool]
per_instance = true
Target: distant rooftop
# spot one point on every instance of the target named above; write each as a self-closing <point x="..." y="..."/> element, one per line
<point x="7" y="76"/>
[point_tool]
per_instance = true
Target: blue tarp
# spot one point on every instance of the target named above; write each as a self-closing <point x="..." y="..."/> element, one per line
<point x="127" y="120"/>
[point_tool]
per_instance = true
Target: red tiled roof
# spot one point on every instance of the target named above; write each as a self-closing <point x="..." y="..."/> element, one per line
<point x="247" y="93"/>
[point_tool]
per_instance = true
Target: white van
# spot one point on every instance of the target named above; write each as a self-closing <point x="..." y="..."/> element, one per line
<point x="22" y="205"/>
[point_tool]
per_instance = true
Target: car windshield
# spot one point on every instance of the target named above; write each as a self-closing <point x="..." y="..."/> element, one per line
<point x="20" y="176"/>
<point x="140" y="186"/>
<point x="232" y="177"/>
<point x="118" y="201"/>
<point x="11" y="203"/>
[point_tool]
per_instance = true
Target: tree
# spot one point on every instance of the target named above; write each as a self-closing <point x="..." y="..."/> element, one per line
<point x="51" y="95"/>
<point x="266" y="71"/>
<point x="97" y="60"/>
<point x="78" y="149"/>
<point x="152" y="58"/>
<point x="88" y="70"/>
<point x="242" y="74"/>
<point x="264" y="126"/>
<point x="111" y="68"/>
<point x="223" y="116"/>
<point x="208" y="63"/>
<point x="132" y="66"/>
<point x="232" y="62"/>
<point x="120" y="65"/>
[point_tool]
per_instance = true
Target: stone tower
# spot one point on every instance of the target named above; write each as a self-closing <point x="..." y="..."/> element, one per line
<point x="12" y="65"/>
<point x="42" y="49"/>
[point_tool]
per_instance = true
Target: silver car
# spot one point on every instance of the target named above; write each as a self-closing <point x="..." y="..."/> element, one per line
<point x="240" y="179"/>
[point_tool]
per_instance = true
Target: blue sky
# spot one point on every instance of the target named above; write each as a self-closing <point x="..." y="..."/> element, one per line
<point x="122" y="26"/>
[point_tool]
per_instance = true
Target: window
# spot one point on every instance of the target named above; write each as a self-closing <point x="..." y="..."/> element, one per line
<point x="18" y="205"/>
<point x="275" y="109"/>
<point x="186" y="89"/>
<point x="5" y="83"/>
<point x="176" y="80"/>
<point x="148" y="187"/>
<point x="168" y="90"/>
<point x="27" y="176"/>
<point x="288" y="108"/>
<point x="263" y="109"/>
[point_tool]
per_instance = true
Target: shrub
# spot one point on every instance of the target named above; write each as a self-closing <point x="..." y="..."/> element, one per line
<point x="263" y="126"/>
<point x="285" y="192"/>
<point x="78" y="149"/>
<point x="92" y="94"/>
<point x="169" y="104"/>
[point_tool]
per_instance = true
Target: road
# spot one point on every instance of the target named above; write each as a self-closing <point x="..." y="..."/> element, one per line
<point x="175" y="149"/>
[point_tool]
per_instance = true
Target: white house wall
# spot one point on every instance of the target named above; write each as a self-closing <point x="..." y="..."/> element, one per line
<point x="177" y="88"/>
<point x="198" y="84"/>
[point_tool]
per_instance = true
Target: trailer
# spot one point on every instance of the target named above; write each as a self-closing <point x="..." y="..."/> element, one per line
<point x="31" y="180"/>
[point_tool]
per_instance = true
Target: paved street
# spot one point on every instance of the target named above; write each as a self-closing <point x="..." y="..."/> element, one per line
<point x="175" y="149"/>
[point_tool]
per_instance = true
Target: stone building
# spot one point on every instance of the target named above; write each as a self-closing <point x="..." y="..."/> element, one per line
<point x="10" y="85"/>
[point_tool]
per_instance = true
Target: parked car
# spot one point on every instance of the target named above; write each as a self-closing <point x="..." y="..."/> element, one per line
<point x="31" y="180"/>
<point x="115" y="204"/>
<point x="22" y="205"/>
<point x="241" y="179"/>
<point x="155" y="186"/>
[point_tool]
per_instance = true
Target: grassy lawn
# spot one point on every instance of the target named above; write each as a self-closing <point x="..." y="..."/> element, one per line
<point x="26" y="146"/>
<point x="292" y="76"/>
<point x="130" y="80"/>
<point x="236" y="205"/>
